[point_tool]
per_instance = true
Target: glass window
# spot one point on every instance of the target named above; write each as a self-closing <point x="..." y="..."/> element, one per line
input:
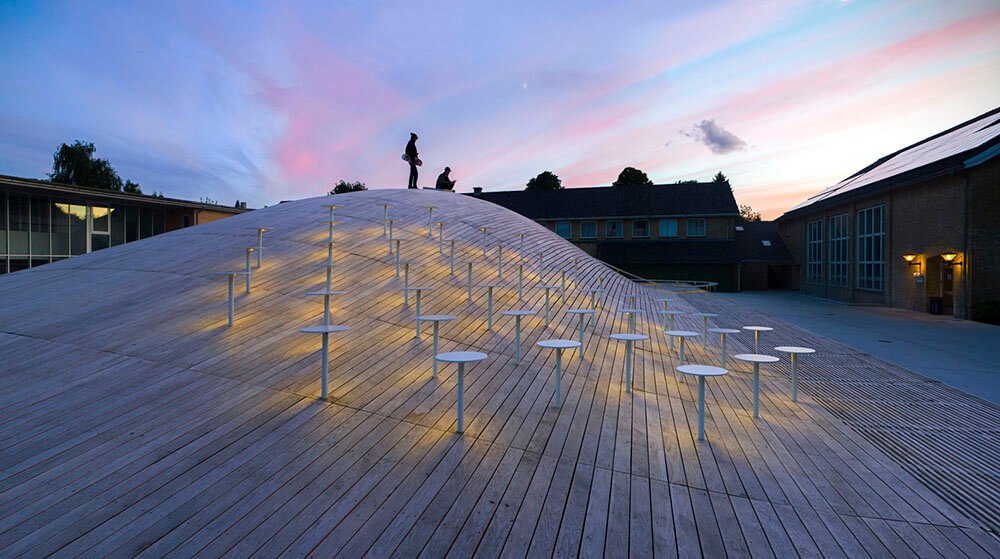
<point x="564" y="229"/>
<point x="36" y="261"/>
<point x="871" y="234"/>
<point x="640" y="228"/>
<point x="159" y="222"/>
<point x="77" y="229"/>
<point x="131" y="224"/>
<point x="3" y="230"/>
<point x="117" y="225"/>
<point x="613" y="229"/>
<point x="145" y="223"/>
<point x="40" y="226"/>
<point x="60" y="228"/>
<point x="99" y="241"/>
<point x="814" y="250"/>
<point x="3" y="265"/>
<point x="18" y="264"/>
<point x="102" y="219"/>
<point x="668" y="227"/>
<point x="186" y="220"/>
<point x="588" y="229"/>
<point x="837" y="254"/>
<point x="18" y="231"/>
<point x="696" y="227"/>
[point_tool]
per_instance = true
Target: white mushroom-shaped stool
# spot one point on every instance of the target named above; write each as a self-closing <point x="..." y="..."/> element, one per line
<point x="417" y="290"/>
<point x="559" y="346"/>
<point x="723" y="332"/>
<point x="629" y="339"/>
<point x="389" y="222"/>
<point x="232" y="283"/>
<point x="452" y="257"/>
<point x="469" y="278"/>
<point x="248" y="270"/>
<point x="325" y="331"/>
<point x="385" y="216"/>
<point x="681" y="334"/>
<point x="631" y="312"/>
<point x="326" y="302"/>
<point x="260" y="241"/>
<point x="794" y="350"/>
<point x="520" y="282"/>
<point x="756" y="359"/>
<point x="441" y="225"/>
<point x="668" y="316"/>
<point x="756" y="335"/>
<point x="461" y="357"/>
<point x="489" y="303"/>
<point x="702" y="371"/>
<point x="582" y="313"/>
<point x="665" y="301"/>
<point x="547" y="288"/>
<point x="430" y="219"/>
<point x="500" y="261"/>
<point x="484" y="230"/>
<point x="436" y="319"/>
<point x="594" y="291"/>
<point x="398" y="242"/>
<point x="704" y="325"/>
<point x="517" y="331"/>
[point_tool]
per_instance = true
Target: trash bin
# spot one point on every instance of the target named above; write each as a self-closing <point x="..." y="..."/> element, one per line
<point x="935" y="305"/>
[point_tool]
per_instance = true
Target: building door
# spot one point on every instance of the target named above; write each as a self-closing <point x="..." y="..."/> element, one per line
<point x="948" y="287"/>
<point x="940" y="280"/>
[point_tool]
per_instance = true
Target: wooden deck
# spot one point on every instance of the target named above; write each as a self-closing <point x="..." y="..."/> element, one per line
<point x="137" y="424"/>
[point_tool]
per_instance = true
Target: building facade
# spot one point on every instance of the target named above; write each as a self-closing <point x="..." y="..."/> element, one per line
<point x="42" y="221"/>
<point x="659" y="232"/>
<point x="917" y="229"/>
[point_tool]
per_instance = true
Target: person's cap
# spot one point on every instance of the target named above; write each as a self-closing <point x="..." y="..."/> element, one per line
<point x="447" y="169"/>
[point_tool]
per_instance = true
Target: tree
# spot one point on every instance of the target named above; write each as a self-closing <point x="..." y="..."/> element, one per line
<point x="631" y="176"/>
<point x="545" y="181"/>
<point x="719" y="178"/>
<point x="75" y="164"/>
<point x="747" y="214"/>
<point x="343" y="187"/>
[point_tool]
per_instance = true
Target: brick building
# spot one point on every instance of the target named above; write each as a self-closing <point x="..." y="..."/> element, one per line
<point x="660" y="232"/>
<point x="917" y="229"/>
<point x="42" y="221"/>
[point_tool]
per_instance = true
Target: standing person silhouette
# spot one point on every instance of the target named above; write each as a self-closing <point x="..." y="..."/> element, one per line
<point x="412" y="159"/>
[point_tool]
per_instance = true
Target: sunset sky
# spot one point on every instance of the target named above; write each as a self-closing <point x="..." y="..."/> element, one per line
<point x="264" y="101"/>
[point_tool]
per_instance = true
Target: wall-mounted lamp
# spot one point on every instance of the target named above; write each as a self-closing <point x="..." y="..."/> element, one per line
<point x="911" y="259"/>
<point x="949" y="257"/>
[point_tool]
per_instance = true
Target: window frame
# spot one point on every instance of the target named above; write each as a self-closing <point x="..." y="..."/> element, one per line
<point x="607" y="229"/>
<point x="584" y="225"/>
<point x="839" y="250"/>
<point x="663" y="222"/>
<point x="636" y="222"/>
<point x="568" y="224"/>
<point x="871" y="233"/>
<point x="814" y="250"/>
<point x="697" y="220"/>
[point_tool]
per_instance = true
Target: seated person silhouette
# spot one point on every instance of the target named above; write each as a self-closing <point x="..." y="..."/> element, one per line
<point x="444" y="182"/>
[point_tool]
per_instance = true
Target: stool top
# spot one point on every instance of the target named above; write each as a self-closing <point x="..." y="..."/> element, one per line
<point x="723" y="331"/>
<point x="452" y="240"/>
<point x="702" y="370"/>
<point x="681" y="333"/>
<point x="485" y="228"/>
<point x="436" y="317"/>
<point x="662" y="299"/>
<point x="546" y="287"/>
<point x="324" y="329"/>
<point x="794" y="349"/>
<point x="671" y="312"/>
<point x="631" y="310"/>
<point x="418" y="289"/>
<point x="328" y="242"/>
<point x="228" y="273"/>
<point x="326" y="223"/>
<point x="260" y="228"/>
<point x="331" y="206"/>
<point x="460" y="356"/>
<point x="248" y="248"/>
<point x="517" y="313"/>
<point x="489" y="285"/>
<point x="440" y="223"/>
<point x="327" y="265"/>
<point x="704" y="314"/>
<point x="592" y="290"/>
<point x="386" y="205"/>
<point x="580" y="311"/>
<point x="755" y="358"/>
<point x="629" y="337"/>
<point x="430" y="207"/>
<point x="558" y="344"/>
<point x="758" y="328"/>
<point x="326" y="293"/>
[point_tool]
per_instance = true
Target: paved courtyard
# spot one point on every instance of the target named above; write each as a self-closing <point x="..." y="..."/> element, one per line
<point x="961" y="353"/>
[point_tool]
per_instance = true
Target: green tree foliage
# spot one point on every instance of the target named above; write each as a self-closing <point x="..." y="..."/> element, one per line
<point x="631" y="176"/>
<point x="545" y="181"/>
<point x="75" y="164"/>
<point x="747" y="214"/>
<point x="343" y="187"/>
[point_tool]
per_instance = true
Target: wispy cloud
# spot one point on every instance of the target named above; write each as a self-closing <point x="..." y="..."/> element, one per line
<point x="715" y="137"/>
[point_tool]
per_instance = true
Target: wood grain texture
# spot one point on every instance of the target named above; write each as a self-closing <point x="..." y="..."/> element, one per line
<point x="136" y="423"/>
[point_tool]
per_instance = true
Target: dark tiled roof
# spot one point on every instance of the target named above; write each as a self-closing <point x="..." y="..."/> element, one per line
<point x="669" y="252"/>
<point x="751" y="249"/>
<point x="619" y="201"/>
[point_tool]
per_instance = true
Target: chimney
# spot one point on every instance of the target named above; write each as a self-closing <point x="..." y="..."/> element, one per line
<point x="243" y="205"/>
<point x="477" y="190"/>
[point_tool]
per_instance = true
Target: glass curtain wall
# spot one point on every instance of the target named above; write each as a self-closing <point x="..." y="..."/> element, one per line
<point x="36" y="230"/>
